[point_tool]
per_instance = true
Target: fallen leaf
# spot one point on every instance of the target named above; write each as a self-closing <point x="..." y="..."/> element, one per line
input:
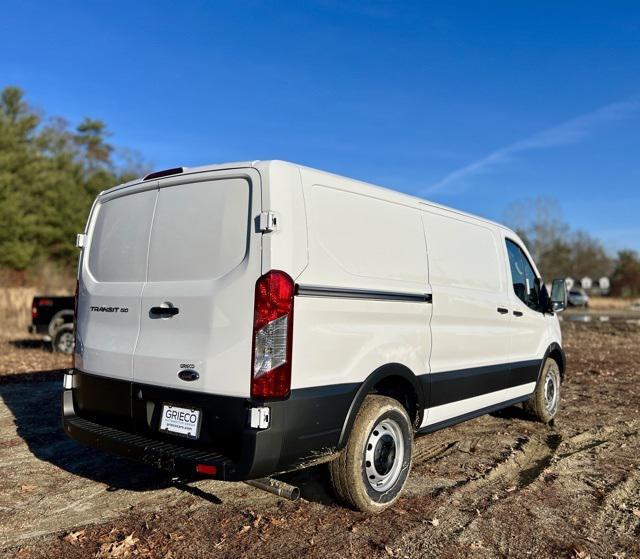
<point x="117" y="549"/>
<point x="245" y="528"/>
<point x="73" y="537"/>
<point x="511" y="489"/>
<point x="581" y="553"/>
<point x="434" y="522"/>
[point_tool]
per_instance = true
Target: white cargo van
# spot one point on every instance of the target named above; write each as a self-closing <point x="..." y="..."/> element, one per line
<point x="241" y="320"/>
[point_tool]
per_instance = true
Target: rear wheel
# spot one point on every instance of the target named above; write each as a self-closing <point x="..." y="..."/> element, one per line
<point x="371" y="471"/>
<point x="64" y="339"/>
<point x="545" y="401"/>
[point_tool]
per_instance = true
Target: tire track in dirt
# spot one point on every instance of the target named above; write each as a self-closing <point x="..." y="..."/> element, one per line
<point x="575" y="463"/>
<point x="470" y="497"/>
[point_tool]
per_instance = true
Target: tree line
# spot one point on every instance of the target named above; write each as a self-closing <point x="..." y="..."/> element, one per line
<point x="561" y="252"/>
<point x="49" y="177"/>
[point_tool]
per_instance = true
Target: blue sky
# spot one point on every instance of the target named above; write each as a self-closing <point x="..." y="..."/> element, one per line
<point x="471" y="105"/>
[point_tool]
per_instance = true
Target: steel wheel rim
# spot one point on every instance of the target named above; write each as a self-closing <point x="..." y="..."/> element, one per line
<point x="551" y="391"/>
<point x="384" y="455"/>
<point x="66" y="342"/>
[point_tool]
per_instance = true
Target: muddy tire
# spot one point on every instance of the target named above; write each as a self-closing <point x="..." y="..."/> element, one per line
<point x="545" y="401"/>
<point x="64" y="339"/>
<point x="371" y="470"/>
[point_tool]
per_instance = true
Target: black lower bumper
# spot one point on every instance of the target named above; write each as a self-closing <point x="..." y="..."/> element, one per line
<point x="123" y="417"/>
<point x="171" y="458"/>
<point x="133" y="434"/>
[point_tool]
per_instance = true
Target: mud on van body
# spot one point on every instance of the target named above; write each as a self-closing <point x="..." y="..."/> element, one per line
<point x="240" y="320"/>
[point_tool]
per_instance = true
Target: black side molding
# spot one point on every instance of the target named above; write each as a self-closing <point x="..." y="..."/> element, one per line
<point x="352" y="293"/>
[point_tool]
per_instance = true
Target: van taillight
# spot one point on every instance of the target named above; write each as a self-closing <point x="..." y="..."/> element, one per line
<point x="272" y="336"/>
<point x="34" y="310"/>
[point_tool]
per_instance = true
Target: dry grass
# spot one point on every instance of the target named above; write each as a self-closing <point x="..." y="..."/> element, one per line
<point x="17" y="290"/>
<point x="611" y="303"/>
<point x="15" y="308"/>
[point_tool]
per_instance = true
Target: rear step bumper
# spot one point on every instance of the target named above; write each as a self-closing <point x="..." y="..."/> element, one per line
<point x="258" y="457"/>
<point x="171" y="458"/>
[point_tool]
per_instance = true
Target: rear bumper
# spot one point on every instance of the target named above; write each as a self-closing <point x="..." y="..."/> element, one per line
<point x="122" y="417"/>
<point x="256" y="453"/>
<point x="171" y="458"/>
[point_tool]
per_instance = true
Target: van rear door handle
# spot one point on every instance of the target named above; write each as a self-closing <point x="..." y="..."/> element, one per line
<point x="502" y="310"/>
<point x="164" y="311"/>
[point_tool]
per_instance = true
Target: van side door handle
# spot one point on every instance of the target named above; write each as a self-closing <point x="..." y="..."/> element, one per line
<point x="502" y="310"/>
<point x="517" y="313"/>
<point x="164" y="311"/>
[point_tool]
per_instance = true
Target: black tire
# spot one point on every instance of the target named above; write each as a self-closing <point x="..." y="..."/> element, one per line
<point x="64" y="339"/>
<point x="371" y="470"/>
<point x="545" y="401"/>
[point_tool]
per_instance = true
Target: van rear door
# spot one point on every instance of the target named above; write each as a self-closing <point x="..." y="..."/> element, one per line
<point x="197" y="303"/>
<point x="112" y="275"/>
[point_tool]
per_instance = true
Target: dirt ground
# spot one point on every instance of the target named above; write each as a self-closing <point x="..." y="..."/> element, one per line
<point x="497" y="486"/>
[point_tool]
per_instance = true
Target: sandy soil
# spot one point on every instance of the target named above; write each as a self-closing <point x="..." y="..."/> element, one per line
<point x="497" y="486"/>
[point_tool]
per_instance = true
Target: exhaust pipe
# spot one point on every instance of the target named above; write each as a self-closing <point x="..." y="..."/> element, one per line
<point x="277" y="487"/>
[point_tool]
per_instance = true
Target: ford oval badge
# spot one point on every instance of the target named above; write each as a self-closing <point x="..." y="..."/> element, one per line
<point x="188" y="375"/>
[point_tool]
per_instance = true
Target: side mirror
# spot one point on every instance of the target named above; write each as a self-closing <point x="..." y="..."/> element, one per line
<point x="558" y="295"/>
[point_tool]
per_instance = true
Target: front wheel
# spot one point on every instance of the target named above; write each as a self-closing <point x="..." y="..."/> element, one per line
<point x="545" y="401"/>
<point x="371" y="470"/>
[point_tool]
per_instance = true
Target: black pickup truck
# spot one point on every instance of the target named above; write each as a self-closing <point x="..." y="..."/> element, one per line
<point x="52" y="317"/>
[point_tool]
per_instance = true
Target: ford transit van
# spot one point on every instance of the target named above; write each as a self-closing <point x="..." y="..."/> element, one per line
<point x="242" y="320"/>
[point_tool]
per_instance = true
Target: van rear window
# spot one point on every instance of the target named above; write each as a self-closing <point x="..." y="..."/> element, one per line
<point x="118" y="251"/>
<point x="200" y="230"/>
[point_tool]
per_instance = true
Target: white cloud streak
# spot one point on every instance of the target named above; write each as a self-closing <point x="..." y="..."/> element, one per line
<point x="568" y="132"/>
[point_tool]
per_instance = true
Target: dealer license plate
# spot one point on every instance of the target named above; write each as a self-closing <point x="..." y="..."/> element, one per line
<point x="180" y="421"/>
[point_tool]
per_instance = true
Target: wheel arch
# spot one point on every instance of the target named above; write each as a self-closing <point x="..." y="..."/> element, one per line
<point x="66" y="316"/>
<point x="394" y="380"/>
<point x="556" y="352"/>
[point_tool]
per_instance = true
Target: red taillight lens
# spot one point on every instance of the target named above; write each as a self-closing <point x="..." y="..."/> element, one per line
<point x="272" y="336"/>
<point x="34" y="310"/>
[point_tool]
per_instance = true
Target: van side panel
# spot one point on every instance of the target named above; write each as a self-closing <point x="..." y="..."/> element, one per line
<point x="359" y="242"/>
<point x="468" y="280"/>
<point x="471" y="321"/>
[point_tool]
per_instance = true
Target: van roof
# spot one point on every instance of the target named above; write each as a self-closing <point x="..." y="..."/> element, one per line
<point x="361" y="186"/>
